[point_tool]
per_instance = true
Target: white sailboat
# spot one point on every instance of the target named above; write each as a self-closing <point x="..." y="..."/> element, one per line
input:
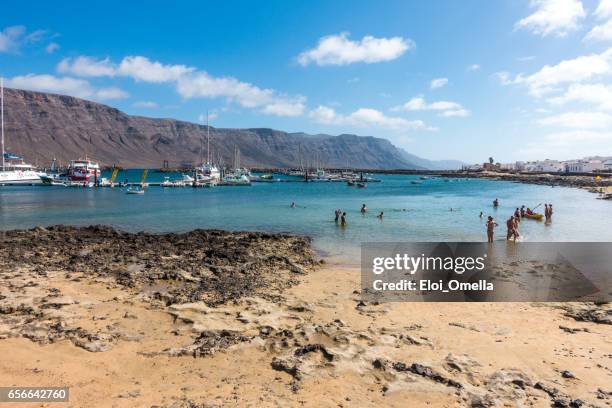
<point x="208" y="172"/>
<point x="14" y="169"/>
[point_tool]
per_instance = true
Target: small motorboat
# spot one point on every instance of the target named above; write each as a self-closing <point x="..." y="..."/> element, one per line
<point x="167" y="182"/>
<point x="350" y="183"/>
<point x="361" y="185"/>
<point x="138" y="191"/>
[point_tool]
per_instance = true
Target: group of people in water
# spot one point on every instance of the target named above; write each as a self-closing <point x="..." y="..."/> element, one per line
<point x="340" y="216"/>
<point x="513" y="223"/>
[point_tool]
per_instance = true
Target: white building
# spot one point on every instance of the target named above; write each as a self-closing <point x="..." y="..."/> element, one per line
<point x="583" y="166"/>
<point x="542" y="166"/>
<point x="471" y="167"/>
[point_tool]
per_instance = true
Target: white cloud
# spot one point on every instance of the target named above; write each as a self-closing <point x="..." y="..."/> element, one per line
<point x="136" y="67"/>
<point x="189" y="82"/>
<point x="578" y="120"/>
<point x="365" y="117"/>
<point x="339" y="50"/>
<point x="211" y="116"/>
<point x="473" y="67"/>
<point x="84" y="66"/>
<point x="604" y="9"/>
<point x="49" y="83"/>
<point x="446" y="108"/>
<point x="52" y="47"/>
<point x="503" y="77"/>
<point x="65" y="86"/>
<point x="602" y="32"/>
<point x="285" y="107"/>
<point x="550" y="77"/>
<point x="438" y="83"/>
<point x="457" y="113"/>
<point x="11" y="38"/>
<point x="111" y="93"/>
<point x="598" y="95"/>
<point x="142" y="69"/>
<point x="557" y="17"/>
<point x="145" y="105"/>
<point x="250" y="96"/>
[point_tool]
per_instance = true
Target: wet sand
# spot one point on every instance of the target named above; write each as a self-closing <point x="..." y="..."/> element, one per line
<point x="309" y="340"/>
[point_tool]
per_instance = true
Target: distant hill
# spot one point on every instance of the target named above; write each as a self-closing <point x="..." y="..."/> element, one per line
<point x="42" y="126"/>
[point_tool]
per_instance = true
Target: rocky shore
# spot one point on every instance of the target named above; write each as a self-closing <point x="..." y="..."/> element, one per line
<point x="590" y="183"/>
<point x="214" y="318"/>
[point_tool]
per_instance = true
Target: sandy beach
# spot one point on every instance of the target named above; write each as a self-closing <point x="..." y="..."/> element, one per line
<point x="308" y="340"/>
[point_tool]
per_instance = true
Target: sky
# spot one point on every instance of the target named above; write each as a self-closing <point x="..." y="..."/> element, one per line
<point x="465" y="80"/>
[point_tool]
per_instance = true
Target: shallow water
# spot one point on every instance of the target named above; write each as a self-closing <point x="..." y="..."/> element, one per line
<point x="412" y="212"/>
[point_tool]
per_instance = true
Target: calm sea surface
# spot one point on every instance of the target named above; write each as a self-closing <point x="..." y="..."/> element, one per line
<point x="412" y="212"/>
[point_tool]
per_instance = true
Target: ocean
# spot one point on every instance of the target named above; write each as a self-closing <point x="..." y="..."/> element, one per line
<point x="412" y="212"/>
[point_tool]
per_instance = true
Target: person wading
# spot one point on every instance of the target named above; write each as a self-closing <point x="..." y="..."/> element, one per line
<point x="491" y="224"/>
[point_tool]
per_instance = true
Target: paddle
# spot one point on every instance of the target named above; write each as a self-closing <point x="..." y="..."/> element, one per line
<point x="536" y="207"/>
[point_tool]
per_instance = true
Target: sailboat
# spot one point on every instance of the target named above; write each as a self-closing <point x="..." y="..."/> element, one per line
<point x="238" y="176"/>
<point x="208" y="173"/>
<point x="14" y="170"/>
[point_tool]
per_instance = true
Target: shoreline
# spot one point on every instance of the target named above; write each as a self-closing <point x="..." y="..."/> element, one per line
<point x="150" y="337"/>
<point x="588" y="183"/>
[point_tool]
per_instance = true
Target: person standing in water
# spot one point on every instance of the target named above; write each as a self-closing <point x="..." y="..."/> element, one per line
<point x="364" y="209"/>
<point x="516" y="228"/>
<point x="293" y="204"/>
<point x="491" y="224"/>
<point x="546" y="214"/>
<point x="343" y="219"/>
<point x="510" y="228"/>
<point x="496" y="202"/>
<point x="481" y="214"/>
<point x="517" y="214"/>
<point x="522" y="211"/>
<point x="550" y="212"/>
<point x="337" y="217"/>
<point x="381" y="215"/>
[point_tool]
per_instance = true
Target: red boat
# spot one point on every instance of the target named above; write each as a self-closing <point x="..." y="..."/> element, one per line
<point x="84" y="171"/>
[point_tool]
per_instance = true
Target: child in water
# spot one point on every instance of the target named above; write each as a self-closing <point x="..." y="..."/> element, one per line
<point x="343" y="219"/>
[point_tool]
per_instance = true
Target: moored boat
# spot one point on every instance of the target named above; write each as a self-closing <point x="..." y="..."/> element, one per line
<point x="84" y="171"/>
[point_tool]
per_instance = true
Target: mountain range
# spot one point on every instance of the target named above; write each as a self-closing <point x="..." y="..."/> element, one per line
<point x="42" y="126"/>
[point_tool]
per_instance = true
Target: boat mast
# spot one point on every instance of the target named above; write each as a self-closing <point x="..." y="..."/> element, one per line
<point x="207" y="139"/>
<point x="2" y="115"/>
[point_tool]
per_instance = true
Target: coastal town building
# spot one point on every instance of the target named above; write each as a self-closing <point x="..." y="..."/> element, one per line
<point x="583" y="166"/>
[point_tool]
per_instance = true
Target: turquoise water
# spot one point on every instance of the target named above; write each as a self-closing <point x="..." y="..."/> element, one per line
<point x="412" y="212"/>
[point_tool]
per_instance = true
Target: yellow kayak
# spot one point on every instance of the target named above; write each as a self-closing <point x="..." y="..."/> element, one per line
<point x="534" y="216"/>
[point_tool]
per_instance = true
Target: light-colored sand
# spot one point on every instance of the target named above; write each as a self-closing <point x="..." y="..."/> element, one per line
<point x="497" y="352"/>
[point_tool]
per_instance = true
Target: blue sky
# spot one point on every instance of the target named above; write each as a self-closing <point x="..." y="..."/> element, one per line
<point x="515" y="79"/>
